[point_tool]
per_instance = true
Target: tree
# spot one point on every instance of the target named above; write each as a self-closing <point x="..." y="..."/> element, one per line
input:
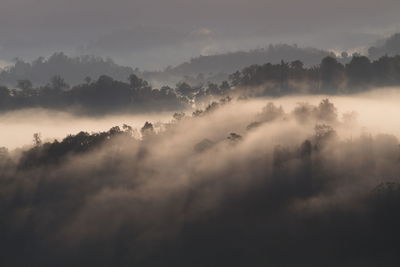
<point x="4" y="92"/>
<point x="4" y="97"/>
<point x="26" y="88"/>
<point x="297" y="65"/>
<point x="326" y="111"/>
<point x="224" y="87"/>
<point x="37" y="141"/>
<point x="24" y="84"/>
<point x="185" y="90"/>
<point x="271" y="112"/>
<point x="297" y="70"/>
<point x="234" y="137"/>
<point x="323" y="134"/>
<point x="236" y="78"/>
<point x="166" y="90"/>
<point x="57" y="83"/>
<point x="136" y="83"/>
<point x="147" y="130"/>
<point x="331" y="74"/>
<point x="359" y="72"/>
<point x="179" y="116"/>
<point x="213" y="89"/>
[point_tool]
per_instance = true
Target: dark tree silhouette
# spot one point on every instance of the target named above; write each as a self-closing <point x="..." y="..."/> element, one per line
<point x="332" y="74"/>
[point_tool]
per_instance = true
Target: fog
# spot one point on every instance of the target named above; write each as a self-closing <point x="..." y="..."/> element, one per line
<point x="18" y="127"/>
<point x="376" y="112"/>
<point x="212" y="133"/>
<point x="238" y="183"/>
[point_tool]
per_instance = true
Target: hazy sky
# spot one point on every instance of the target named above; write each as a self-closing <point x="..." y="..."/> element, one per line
<point x="155" y="33"/>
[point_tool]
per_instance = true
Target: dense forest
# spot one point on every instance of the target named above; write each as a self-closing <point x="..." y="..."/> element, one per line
<point x="201" y="69"/>
<point x="330" y="77"/>
<point x="198" y="70"/>
<point x="74" y="70"/>
<point x="224" y="63"/>
<point x="109" y="95"/>
<point x="210" y="189"/>
<point x="211" y="133"/>
<point x="96" y="97"/>
<point x="215" y="68"/>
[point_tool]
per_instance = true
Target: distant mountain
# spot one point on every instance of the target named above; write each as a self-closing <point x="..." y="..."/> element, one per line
<point x="389" y="46"/>
<point x="198" y="70"/>
<point x="217" y="67"/>
<point x="231" y="62"/>
<point x="73" y="69"/>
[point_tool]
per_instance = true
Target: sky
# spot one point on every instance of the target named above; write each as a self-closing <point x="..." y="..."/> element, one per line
<point x="151" y="34"/>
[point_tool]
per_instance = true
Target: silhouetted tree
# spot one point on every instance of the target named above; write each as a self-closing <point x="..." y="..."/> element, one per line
<point x="332" y="74"/>
<point x="37" y="141"/>
<point x="58" y="84"/>
<point x="136" y="83"/>
<point x="359" y="72"/>
<point x="26" y="88"/>
<point x="147" y="130"/>
<point x="185" y="90"/>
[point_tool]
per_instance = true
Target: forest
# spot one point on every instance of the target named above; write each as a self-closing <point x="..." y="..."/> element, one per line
<point x="212" y="133"/>
<point x="232" y="183"/>
<point x="214" y="68"/>
<point x="108" y="95"/>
